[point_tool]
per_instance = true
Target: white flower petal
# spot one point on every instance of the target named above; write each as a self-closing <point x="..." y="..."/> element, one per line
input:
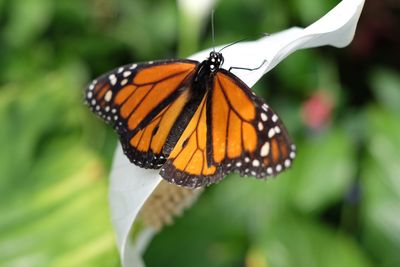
<point x="130" y="185"/>
<point x="336" y="28"/>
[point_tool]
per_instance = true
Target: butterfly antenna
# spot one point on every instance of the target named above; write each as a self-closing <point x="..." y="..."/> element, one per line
<point x="212" y="29"/>
<point x="228" y="45"/>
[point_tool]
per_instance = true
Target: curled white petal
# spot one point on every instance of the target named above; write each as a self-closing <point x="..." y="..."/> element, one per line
<point x="130" y="185"/>
<point x="336" y="28"/>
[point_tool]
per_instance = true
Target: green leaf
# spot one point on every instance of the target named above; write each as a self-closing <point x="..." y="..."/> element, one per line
<point x="323" y="170"/>
<point x="310" y="10"/>
<point x="301" y="67"/>
<point x="52" y="187"/>
<point x="250" y="221"/>
<point x="253" y="202"/>
<point x="203" y="237"/>
<point x="27" y="20"/>
<point x="296" y="241"/>
<point x="381" y="184"/>
<point x="386" y="86"/>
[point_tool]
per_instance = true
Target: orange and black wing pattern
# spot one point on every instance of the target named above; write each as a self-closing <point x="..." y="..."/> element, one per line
<point x="143" y="102"/>
<point x="189" y="163"/>
<point x="232" y="130"/>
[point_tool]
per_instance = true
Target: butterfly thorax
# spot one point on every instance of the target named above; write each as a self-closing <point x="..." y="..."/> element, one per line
<point x="209" y="66"/>
<point x="214" y="62"/>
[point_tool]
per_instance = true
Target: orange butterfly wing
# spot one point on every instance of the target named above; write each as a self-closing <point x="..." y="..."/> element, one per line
<point x="188" y="164"/>
<point x="247" y="137"/>
<point x="143" y="102"/>
<point x="232" y="130"/>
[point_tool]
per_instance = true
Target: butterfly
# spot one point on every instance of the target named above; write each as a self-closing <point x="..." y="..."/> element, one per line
<point x="196" y="121"/>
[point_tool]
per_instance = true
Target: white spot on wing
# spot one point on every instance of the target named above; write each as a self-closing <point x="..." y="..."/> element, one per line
<point x="271" y="133"/>
<point x="260" y="126"/>
<point x="256" y="163"/>
<point x="278" y="167"/>
<point x="108" y="96"/>
<point x="113" y="79"/>
<point x="126" y="73"/>
<point x="264" y="149"/>
<point x="287" y="162"/>
<point x="124" y="81"/>
<point x="274" y="118"/>
<point x="264" y="116"/>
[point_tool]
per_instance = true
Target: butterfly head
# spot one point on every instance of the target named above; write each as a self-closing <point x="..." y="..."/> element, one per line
<point x="215" y="61"/>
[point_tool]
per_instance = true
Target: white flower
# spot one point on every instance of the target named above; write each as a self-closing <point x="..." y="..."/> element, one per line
<point x="196" y="9"/>
<point x="131" y="186"/>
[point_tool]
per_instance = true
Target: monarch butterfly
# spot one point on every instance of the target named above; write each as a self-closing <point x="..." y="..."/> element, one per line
<point x="194" y="120"/>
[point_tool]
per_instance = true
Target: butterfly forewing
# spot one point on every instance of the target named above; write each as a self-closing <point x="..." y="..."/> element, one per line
<point x="143" y="102"/>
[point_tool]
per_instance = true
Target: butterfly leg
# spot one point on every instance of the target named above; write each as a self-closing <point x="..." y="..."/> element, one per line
<point x="249" y="69"/>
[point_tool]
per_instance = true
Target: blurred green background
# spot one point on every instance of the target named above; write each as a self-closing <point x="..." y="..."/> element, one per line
<point x="338" y="206"/>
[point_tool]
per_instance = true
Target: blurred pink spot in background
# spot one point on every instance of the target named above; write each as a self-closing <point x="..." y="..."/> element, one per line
<point x="316" y="111"/>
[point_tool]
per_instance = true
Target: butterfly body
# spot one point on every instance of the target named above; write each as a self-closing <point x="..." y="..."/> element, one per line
<point x="194" y="120"/>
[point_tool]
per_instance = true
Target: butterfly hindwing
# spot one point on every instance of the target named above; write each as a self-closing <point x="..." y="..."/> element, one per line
<point x="188" y="164"/>
<point x="143" y="102"/>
